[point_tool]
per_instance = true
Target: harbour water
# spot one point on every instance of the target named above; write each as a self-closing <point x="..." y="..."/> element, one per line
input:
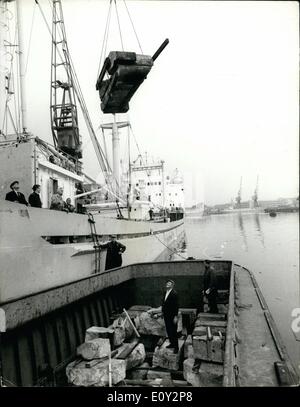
<point x="267" y="246"/>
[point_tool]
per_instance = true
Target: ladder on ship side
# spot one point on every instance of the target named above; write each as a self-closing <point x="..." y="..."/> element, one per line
<point x="96" y="242"/>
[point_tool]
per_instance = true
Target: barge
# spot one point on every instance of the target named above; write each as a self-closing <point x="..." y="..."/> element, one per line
<point x="41" y="332"/>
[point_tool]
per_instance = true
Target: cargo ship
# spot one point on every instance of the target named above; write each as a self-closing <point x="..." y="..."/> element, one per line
<point x="41" y="248"/>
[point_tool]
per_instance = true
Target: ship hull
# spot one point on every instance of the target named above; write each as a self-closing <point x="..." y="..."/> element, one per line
<point x="36" y="252"/>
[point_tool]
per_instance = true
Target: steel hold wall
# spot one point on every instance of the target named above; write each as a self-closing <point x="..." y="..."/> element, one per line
<point x="37" y="352"/>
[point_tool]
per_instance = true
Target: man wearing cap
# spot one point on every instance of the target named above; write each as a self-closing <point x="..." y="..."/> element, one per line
<point x="114" y="253"/>
<point x="14" y="195"/>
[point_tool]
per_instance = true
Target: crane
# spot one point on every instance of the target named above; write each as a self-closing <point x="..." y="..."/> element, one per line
<point x="64" y="118"/>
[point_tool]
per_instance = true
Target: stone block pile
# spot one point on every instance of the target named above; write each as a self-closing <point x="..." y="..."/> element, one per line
<point x="115" y="355"/>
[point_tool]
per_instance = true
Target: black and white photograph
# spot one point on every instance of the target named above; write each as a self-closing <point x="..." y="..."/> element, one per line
<point x="149" y="196"/>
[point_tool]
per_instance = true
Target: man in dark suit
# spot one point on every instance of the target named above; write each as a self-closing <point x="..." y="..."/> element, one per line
<point x="114" y="253"/>
<point x="34" y="198"/>
<point x="169" y="309"/>
<point x="210" y="290"/>
<point x="14" y="195"/>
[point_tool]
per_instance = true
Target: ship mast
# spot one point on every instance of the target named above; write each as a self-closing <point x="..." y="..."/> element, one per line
<point x="21" y="67"/>
<point x="115" y="126"/>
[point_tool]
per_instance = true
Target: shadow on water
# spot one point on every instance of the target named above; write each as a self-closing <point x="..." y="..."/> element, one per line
<point x="242" y="230"/>
<point x="259" y="229"/>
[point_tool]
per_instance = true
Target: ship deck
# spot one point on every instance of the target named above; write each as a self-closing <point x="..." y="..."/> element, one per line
<point x="259" y="343"/>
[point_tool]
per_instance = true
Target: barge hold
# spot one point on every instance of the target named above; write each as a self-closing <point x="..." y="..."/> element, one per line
<point x="41" y="332"/>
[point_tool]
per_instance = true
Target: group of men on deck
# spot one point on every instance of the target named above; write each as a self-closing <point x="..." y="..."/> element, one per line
<point x="34" y="199"/>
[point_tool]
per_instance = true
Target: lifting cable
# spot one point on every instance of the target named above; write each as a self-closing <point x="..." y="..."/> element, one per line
<point x="30" y="37"/>
<point x="119" y="25"/>
<point x="107" y="28"/>
<point x="105" y="36"/>
<point x="136" y="36"/>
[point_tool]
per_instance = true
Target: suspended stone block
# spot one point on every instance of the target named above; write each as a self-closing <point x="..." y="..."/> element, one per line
<point x="166" y="358"/>
<point x="80" y="375"/>
<point x="95" y="332"/>
<point x="94" y="349"/>
<point x="126" y="71"/>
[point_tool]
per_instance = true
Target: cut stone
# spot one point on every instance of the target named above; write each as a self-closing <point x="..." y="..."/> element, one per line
<point x="119" y="335"/>
<point x="158" y="374"/>
<point x="79" y="375"/>
<point x="188" y="365"/>
<point x="94" y="349"/>
<point x="139" y="374"/>
<point x="136" y="357"/>
<point x="166" y="358"/>
<point x="95" y="332"/>
<point x="148" y="325"/>
<point x="211" y="374"/>
<point x="211" y="317"/>
<point x="188" y="350"/>
<point x="211" y="323"/>
<point x="215" y="349"/>
<point x="200" y="347"/>
<point x="122" y="321"/>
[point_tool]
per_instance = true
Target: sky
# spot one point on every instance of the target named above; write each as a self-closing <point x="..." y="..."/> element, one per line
<point x="220" y="103"/>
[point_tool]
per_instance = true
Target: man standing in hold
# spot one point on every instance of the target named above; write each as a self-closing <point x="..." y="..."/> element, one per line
<point x="210" y="287"/>
<point x="114" y="253"/>
<point x="169" y="309"/>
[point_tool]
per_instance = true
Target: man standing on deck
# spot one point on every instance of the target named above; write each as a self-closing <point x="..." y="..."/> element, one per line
<point x="114" y="253"/>
<point x="34" y="198"/>
<point x="14" y="195"/>
<point x="210" y="287"/>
